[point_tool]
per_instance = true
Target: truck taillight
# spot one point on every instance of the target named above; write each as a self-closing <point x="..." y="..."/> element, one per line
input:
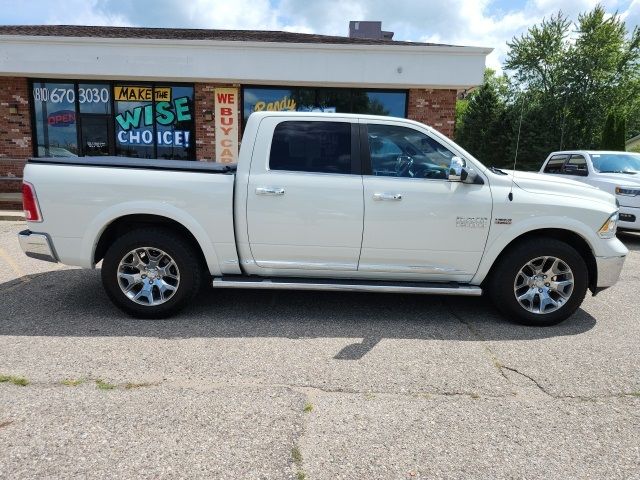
<point x="30" y="203"/>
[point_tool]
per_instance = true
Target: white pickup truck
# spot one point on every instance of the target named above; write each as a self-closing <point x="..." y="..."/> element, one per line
<point x="326" y="202"/>
<point x="615" y="172"/>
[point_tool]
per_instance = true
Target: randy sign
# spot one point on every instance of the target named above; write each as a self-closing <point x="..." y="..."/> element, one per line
<point x="226" y="120"/>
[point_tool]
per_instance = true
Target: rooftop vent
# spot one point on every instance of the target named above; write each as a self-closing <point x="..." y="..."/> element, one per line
<point x="369" y="30"/>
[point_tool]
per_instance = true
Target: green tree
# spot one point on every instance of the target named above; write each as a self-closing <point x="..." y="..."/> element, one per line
<point x="478" y="117"/>
<point x="573" y="76"/>
<point x="603" y="72"/>
<point x="608" y="141"/>
<point x="614" y="132"/>
<point x="621" y="133"/>
<point x="538" y="57"/>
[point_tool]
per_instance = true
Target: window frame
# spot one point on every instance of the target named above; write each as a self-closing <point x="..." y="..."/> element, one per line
<point x="356" y="158"/>
<point x="113" y="131"/>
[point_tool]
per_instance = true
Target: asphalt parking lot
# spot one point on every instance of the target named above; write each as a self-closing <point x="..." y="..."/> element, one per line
<point x="248" y="384"/>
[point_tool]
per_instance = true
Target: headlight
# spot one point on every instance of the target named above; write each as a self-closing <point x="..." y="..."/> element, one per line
<point x="608" y="229"/>
<point x="627" y="191"/>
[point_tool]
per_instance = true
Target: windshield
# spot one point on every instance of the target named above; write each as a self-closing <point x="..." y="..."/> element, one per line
<point x="616" y="162"/>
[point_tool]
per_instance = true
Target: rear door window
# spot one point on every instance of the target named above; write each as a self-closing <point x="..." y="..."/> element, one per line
<point x="555" y="164"/>
<point x="307" y="146"/>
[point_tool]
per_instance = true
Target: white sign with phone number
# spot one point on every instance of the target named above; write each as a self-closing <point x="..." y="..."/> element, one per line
<point x="61" y="95"/>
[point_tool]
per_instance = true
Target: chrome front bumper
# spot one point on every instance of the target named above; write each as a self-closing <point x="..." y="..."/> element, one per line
<point x="609" y="269"/>
<point x="37" y="245"/>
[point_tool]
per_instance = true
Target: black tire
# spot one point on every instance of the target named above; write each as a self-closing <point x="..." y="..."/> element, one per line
<point x="501" y="284"/>
<point x="183" y="254"/>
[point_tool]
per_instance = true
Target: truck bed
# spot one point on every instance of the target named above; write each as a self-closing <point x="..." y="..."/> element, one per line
<point x="80" y="197"/>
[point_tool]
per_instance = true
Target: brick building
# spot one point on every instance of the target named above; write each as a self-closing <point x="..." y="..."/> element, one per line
<point x="186" y="94"/>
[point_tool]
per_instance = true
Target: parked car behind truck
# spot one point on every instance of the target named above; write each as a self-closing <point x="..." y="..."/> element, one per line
<point x="326" y="202"/>
<point x="615" y="172"/>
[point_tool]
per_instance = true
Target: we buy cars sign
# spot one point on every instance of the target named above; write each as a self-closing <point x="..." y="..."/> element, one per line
<point x="226" y="121"/>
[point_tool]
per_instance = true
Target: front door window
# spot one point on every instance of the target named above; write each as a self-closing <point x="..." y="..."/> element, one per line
<point x="403" y="152"/>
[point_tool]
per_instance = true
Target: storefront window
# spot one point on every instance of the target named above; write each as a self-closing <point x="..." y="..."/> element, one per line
<point x="134" y="120"/>
<point x="94" y="98"/>
<point x="174" y="123"/>
<point x="55" y="119"/>
<point x="271" y="99"/>
<point x="131" y="120"/>
<point x="154" y="121"/>
<point x="96" y="121"/>
<point x="340" y="100"/>
<point x="334" y="100"/>
<point x="306" y="100"/>
<point x="380" y="103"/>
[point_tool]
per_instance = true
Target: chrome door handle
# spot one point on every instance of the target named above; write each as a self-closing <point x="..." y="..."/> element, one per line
<point x="387" y="196"/>
<point x="269" y="191"/>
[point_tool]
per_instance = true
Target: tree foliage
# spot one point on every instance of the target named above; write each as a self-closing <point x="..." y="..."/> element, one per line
<point x="563" y="80"/>
<point x="614" y="132"/>
<point x="609" y="132"/>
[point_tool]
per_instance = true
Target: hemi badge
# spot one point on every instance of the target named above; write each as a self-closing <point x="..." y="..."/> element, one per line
<point x="472" y="222"/>
<point x="503" y="221"/>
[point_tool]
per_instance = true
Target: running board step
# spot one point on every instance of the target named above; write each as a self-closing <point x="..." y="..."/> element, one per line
<point x="430" y="288"/>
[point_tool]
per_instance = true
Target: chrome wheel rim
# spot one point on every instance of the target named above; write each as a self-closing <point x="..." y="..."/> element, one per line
<point x="543" y="285"/>
<point x="148" y="276"/>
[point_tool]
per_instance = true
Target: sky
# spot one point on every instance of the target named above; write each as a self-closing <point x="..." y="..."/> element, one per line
<point x="486" y="23"/>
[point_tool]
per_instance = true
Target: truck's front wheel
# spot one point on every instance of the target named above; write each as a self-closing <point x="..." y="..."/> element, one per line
<point x="151" y="273"/>
<point x="540" y="281"/>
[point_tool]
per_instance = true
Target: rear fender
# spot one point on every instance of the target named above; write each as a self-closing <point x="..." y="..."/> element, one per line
<point x="99" y="224"/>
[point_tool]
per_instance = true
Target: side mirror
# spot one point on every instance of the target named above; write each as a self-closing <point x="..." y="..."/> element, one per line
<point x="456" y="170"/>
<point x="459" y="173"/>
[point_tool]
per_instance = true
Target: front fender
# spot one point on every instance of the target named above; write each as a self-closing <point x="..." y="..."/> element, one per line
<point x="501" y="236"/>
<point x="99" y="224"/>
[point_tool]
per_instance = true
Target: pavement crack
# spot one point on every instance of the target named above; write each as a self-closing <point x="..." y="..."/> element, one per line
<point x="309" y="392"/>
<point x="495" y="361"/>
<point x="297" y="459"/>
<point x="530" y="378"/>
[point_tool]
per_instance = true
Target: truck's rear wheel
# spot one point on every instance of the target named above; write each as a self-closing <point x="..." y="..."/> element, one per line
<point x="541" y="281"/>
<point x="151" y="273"/>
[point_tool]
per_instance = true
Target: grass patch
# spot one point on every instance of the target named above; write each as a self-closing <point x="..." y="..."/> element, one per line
<point x="6" y="423"/>
<point x="426" y="396"/>
<point x="21" y="381"/>
<point x="72" y="382"/>
<point x="131" y="386"/>
<point x="308" y="408"/>
<point x="475" y="396"/>
<point x="102" y="385"/>
<point x="296" y="456"/>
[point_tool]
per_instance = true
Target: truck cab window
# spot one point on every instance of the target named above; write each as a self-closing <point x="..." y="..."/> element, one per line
<point x="577" y="165"/>
<point x="322" y="147"/>
<point x="403" y="152"/>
